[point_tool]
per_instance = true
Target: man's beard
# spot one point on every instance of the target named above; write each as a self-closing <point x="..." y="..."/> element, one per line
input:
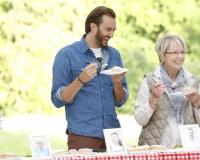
<point x="100" y="39"/>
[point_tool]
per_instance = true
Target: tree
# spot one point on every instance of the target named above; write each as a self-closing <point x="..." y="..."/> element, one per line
<point x="31" y="32"/>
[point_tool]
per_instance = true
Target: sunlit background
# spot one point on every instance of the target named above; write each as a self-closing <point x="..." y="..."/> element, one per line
<point x="32" y="32"/>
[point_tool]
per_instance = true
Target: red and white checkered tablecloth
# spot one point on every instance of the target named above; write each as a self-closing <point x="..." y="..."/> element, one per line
<point x="153" y="156"/>
<point x="167" y="155"/>
<point x="182" y="155"/>
<point x="128" y="156"/>
<point x="162" y="155"/>
<point x="194" y="155"/>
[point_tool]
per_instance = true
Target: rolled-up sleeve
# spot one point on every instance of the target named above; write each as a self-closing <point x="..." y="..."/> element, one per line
<point x="61" y="78"/>
<point x="118" y="104"/>
<point x="119" y="63"/>
<point x="143" y="112"/>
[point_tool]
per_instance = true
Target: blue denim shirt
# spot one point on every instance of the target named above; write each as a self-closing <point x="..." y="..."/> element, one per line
<point x="93" y="108"/>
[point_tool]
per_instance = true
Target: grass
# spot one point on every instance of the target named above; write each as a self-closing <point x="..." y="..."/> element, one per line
<point x="18" y="143"/>
<point x="14" y="139"/>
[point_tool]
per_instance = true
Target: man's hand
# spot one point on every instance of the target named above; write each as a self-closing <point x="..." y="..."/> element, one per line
<point x="118" y="87"/>
<point x="88" y="73"/>
<point x="118" y="78"/>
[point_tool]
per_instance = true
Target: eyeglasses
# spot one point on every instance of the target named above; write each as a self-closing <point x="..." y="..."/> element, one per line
<point x="176" y="52"/>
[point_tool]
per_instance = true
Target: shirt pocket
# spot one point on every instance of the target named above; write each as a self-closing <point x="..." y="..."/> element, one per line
<point x="113" y="62"/>
<point x="107" y="81"/>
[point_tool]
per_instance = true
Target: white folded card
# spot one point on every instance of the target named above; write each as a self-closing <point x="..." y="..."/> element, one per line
<point x="40" y="146"/>
<point x="114" y="140"/>
<point x="190" y="136"/>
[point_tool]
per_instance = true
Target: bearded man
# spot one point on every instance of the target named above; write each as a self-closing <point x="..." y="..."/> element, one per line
<point x="88" y="96"/>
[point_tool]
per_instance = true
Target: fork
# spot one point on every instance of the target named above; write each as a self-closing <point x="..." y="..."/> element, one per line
<point x="157" y="80"/>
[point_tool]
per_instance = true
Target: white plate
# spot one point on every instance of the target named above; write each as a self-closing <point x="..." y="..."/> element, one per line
<point x="110" y="71"/>
<point x="182" y="93"/>
<point x="175" y="93"/>
<point x="190" y="91"/>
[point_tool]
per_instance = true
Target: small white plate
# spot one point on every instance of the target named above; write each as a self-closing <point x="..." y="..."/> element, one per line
<point x="116" y="72"/>
<point x="182" y="93"/>
<point x="189" y="92"/>
<point x="175" y="93"/>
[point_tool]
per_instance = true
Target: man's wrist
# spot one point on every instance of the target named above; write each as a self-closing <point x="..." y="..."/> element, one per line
<point x="117" y="85"/>
<point x="80" y="81"/>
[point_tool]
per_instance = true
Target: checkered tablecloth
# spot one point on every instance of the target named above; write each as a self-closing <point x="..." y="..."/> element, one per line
<point x="162" y="155"/>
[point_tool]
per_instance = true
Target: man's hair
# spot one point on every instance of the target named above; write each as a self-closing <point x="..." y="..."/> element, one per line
<point x="95" y="16"/>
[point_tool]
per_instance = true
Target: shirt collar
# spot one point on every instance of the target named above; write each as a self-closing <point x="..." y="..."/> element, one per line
<point x="84" y="45"/>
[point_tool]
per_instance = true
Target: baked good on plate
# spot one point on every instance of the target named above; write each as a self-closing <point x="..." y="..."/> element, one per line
<point x="157" y="147"/>
<point x="139" y="148"/>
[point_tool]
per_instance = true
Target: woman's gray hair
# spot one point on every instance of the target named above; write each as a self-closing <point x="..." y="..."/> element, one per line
<point x="164" y="42"/>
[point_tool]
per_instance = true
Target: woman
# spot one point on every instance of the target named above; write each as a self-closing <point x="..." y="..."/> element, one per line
<point x="160" y="104"/>
<point x="116" y="143"/>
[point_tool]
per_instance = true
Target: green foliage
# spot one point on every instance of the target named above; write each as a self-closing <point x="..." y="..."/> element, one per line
<point x="18" y="143"/>
<point x="11" y="142"/>
<point x="31" y="32"/>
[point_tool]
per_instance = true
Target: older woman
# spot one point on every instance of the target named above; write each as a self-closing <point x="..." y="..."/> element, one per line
<point x="161" y="105"/>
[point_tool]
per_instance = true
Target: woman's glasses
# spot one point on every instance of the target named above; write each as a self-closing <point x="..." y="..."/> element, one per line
<point x="176" y="52"/>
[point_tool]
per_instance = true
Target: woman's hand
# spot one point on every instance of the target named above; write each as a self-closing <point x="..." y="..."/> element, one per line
<point x="194" y="98"/>
<point x="157" y="91"/>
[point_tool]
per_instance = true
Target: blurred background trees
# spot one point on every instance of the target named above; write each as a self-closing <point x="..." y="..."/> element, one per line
<point x="31" y="33"/>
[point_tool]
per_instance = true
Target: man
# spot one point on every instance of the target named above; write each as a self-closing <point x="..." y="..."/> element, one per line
<point x="89" y="97"/>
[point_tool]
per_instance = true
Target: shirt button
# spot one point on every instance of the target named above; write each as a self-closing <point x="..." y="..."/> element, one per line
<point x="102" y="89"/>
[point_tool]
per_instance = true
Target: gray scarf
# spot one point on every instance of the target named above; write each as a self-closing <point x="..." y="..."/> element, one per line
<point x="176" y="101"/>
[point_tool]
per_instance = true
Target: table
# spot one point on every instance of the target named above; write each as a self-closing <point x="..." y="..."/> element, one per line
<point x="152" y="155"/>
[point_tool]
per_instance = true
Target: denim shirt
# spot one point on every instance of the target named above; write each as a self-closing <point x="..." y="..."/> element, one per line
<point x="93" y="108"/>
